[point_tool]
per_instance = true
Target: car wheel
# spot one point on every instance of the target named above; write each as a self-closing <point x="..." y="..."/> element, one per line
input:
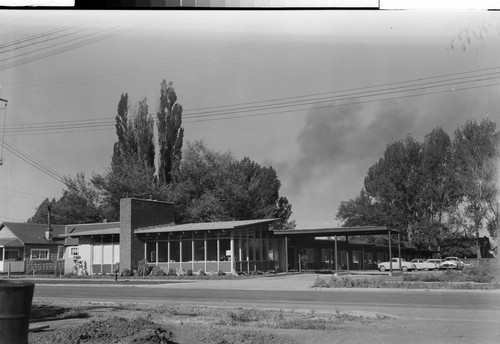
<point x="382" y="268"/>
<point x="405" y="268"/>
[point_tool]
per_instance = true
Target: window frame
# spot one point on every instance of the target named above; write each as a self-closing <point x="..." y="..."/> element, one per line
<point x="40" y="250"/>
<point x="60" y="252"/>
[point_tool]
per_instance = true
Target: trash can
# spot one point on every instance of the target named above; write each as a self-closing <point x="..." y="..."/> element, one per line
<point x="15" y="310"/>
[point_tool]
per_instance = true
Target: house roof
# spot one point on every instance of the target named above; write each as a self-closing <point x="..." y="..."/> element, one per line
<point x="363" y="230"/>
<point x="10" y="242"/>
<point x="33" y="233"/>
<point x="104" y="231"/>
<point x="205" y="226"/>
<point x="74" y="231"/>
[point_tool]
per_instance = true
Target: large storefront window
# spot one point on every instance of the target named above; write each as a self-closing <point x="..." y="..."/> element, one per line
<point x="151" y="252"/>
<point x="225" y="249"/>
<point x="212" y="250"/>
<point x="199" y="250"/>
<point x="270" y="250"/>
<point x="175" y="253"/>
<point x="163" y="251"/>
<point x="187" y="251"/>
<point x="244" y="249"/>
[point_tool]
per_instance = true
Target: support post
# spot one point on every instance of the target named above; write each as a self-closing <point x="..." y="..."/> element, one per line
<point x="399" y="252"/>
<point x="232" y="254"/>
<point x="286" y="254"/>
<point x="347" y="250"/>
<point x="390" y="253"/>
<point x="336" y="258"/>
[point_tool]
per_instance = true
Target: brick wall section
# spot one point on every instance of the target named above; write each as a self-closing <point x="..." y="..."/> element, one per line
<point x="134" y="214"/>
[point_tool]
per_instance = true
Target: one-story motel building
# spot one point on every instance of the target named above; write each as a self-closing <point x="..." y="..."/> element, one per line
<point x="147" y="230"/>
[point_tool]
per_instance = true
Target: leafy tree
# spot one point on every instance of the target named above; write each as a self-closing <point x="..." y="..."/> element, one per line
<point x="131" y="178"/>
<point x="143" y="135"/>
<point x="361" y="211"/>
<point x="283" y="211"/>
<point x="80" y="203"/>
<point x="394" y="183"/>
<point x="438" y="191"/>
<point x="170" y="132"/>
<point x="125" y="145"/>
<point x="41" y="212"/>
<point x="215" y="186"/>
<point x="433" y="190"/>
<point x="476" y="162"/>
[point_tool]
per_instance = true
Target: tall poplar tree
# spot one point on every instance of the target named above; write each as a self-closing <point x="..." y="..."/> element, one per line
<point x="170" y="133"/>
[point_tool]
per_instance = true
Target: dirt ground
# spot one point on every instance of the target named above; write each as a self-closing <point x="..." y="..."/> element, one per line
<point x="96" y="323"/>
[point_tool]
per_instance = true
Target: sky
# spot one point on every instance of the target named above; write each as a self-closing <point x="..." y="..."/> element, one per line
<point x="317" y="95"/>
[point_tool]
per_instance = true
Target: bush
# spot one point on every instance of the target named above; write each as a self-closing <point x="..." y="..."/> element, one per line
<point x="189" y="272"/>
<point x="481" y="273"/>
<point x="143" y="269"/>
<point x="201" y="272"/>
<point x="220" y="273"/>
<point x="127" y="272"/>
<point x="172" y="272"/>
<point x="157" y="271"/>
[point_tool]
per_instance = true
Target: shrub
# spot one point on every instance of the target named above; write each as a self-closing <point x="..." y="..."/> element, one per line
<point x="171" y="272"/>
<point x="143" y="269"/>
<point x="220" y="273"/>
<point x="201" y="272"/>
<point x="127" y="272"/>
<point x="189" y="272"/>
<point x="157" y="271"/>
<point x="181" y="272"/>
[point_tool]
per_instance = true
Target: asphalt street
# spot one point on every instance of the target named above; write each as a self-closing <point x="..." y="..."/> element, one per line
<point x="418" y="316"/>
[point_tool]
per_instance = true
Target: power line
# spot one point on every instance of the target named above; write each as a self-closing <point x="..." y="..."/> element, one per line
<point x="18" y="62"/>
<point x="33" y="162"/>
<point x="22" y="192"/>
<point x="84" y="125"/>
<point x="37" y="39"/>
<point x="102" y="78"/>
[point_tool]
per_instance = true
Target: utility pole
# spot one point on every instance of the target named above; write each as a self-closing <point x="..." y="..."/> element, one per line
<point x="3" y="130"/>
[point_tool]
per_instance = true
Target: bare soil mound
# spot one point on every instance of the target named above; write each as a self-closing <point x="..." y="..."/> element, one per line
<point x="112" y="330"/>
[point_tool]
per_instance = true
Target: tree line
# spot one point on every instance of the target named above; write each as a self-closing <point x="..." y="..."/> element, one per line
<point x="432" y="191"/>
<point x="205" y="185"/>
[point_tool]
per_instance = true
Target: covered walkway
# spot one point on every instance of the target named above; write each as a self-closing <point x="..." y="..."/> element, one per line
<point x="300" y="236"/>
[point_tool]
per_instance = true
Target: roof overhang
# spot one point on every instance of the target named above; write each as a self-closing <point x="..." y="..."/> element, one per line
<point x="105" y="231"/>
<point x="206" y="226"/>
<point x="342" y="231"/>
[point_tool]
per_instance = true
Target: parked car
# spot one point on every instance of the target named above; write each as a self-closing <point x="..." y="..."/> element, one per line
<point x="452" y="263"/>
<point x="436" y="261"/>
<point x="423" y="264"/>
<point x="405" y="266"/>
<point x="466" y="265"/>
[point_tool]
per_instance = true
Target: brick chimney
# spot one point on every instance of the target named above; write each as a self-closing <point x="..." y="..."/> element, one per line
<point x="48" y="232"/>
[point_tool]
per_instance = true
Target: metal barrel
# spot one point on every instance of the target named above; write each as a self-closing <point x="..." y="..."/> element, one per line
<point x="15" y="310"/>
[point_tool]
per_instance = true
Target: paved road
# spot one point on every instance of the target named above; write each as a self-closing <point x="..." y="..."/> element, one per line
<point x="434" y="316"/>
<point x="291" y="292"/>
